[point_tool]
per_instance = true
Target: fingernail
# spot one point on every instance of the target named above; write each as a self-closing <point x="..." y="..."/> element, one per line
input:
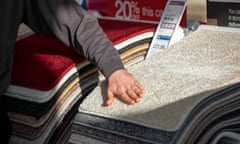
<point x="132" y="102"/>
<point x="137" y="100"/>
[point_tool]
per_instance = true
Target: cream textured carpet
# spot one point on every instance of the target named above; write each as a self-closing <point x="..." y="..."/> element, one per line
<point x="190" y="85"/>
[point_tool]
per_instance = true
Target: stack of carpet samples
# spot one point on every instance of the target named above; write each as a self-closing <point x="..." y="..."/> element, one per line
<point x="49" y="80"/>
<point x="192" y="95"/>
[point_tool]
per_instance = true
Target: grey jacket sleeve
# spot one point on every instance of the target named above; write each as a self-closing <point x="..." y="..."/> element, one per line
<point x="68" y="22"/>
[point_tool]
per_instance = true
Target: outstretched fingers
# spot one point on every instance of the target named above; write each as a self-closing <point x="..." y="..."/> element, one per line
<point x="138" y="88"/>
<point x="125" y="87"/>
<point x="131" y="95"/>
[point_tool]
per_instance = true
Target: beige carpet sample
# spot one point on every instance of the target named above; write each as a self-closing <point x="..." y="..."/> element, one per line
<point x="195" y="80"/>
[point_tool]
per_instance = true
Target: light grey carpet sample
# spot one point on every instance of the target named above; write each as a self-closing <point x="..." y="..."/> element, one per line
<point x="175" y="80"/>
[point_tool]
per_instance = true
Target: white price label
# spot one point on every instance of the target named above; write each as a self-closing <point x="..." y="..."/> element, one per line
<point x="168" y="24"/>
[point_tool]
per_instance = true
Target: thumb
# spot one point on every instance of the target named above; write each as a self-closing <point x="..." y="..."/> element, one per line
<point x="110" y="98"/>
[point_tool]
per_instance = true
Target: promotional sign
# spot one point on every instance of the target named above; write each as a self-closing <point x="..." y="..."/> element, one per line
<point x="223" y="13"/>
<point x="138" y="10"/>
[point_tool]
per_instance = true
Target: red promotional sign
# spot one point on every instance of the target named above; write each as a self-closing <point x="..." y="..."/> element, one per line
<point x="138" y="9"/>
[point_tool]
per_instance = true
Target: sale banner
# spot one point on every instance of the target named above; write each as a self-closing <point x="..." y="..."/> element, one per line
<point x="139" y="10"/>
<point x="149" y="10"/>
<point x="136" y="9"/>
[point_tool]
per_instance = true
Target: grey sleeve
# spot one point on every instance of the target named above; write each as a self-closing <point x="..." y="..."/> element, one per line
<point x="70" y="23"/>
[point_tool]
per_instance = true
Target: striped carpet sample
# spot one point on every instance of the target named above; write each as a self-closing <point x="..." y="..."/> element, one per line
<point x="50" y="79"/>
<point x="191" y="95"/>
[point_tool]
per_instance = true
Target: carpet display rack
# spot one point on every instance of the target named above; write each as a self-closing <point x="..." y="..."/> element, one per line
<point x="50" y="80"/>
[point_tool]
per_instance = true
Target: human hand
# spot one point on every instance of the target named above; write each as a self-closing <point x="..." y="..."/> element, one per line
<point x="125" y="86"/>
